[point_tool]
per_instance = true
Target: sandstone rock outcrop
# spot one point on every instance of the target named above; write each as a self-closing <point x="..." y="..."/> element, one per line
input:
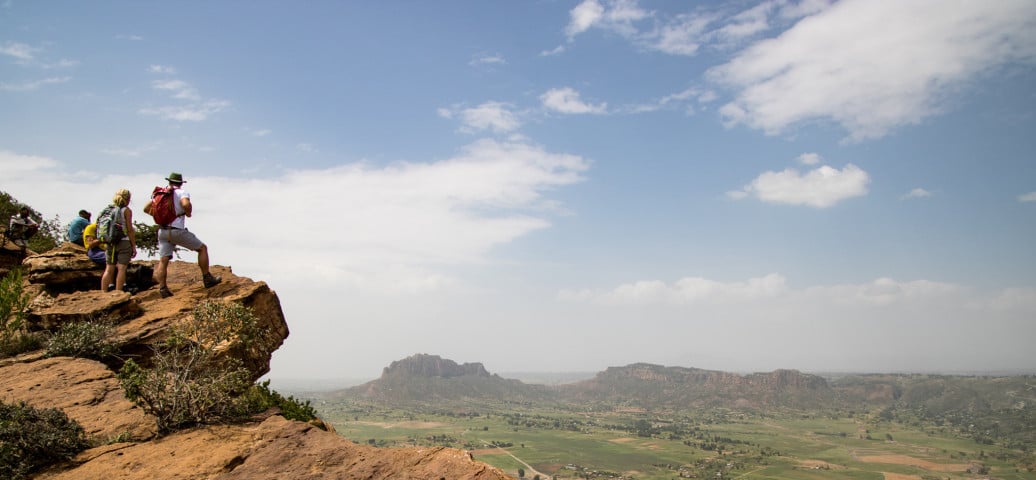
<point x="65" y="288"/>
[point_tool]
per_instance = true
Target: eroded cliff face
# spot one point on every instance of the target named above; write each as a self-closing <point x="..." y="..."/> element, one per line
<point x="65" y="287"/>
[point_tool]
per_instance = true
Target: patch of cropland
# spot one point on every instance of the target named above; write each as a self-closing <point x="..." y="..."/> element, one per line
<point x="651" y="422"/>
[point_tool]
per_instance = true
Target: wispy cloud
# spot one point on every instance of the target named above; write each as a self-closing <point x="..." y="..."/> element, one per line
<point x="130" y="37"/>
<point x="32" y="85"/>
<point x="916" y="193"/>
<point x="497" y="117"/>
<point x="191" y="113"/>
<point x="19" y="51"/>
<point x="161" y="69"/>
<point x="567" y="100"/>
<point x="822" y="187"/>
<point x="196" y="108"/>
<point x="495" y="59"/>
<point x="809" y="158"/>
<point x="820" y="70"/>
<point x="1027" y="197"/>
<point x="130" y="152"/>
<point x="178" y="88"/>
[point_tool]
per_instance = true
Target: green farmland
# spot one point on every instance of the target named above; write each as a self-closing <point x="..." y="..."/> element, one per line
<point x="556" y="442"/>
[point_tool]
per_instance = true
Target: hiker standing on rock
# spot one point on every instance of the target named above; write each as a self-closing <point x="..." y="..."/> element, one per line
<point x="169" y="206"/>
<point x="122" y="246"/>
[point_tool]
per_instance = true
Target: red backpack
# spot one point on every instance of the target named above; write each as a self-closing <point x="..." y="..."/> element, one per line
<point x="162" y="208"/>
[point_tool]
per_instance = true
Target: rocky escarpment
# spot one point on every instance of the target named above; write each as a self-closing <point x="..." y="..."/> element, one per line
<point x="64" y="288"/>
<point x="654" y="386"/>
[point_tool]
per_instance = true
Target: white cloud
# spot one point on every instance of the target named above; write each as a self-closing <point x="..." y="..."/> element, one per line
<point x="191" y="113"/>
<point x="179" y="88"/>
<point x="821" y="188"/>
<point x="820" y="69"/>
<point x="688" y="290"/>
<point x="493" y="116"/>
<point x="161" y="69"/>
<point x="682" y="36"/>
<point x="196" y="110"/>
<point x="19" y="51"/>
<point x="130" y="37"/>
<point x="567" y="100"/>
<point x="809" y="158"/>
<point x="558" y="50"/>
<point x="765" y="289"/>
<point x="614" y="15"/>
<point x="379" y="229"/>
<point x="583" y="16"/>
<point x="130" y="152"/>
<point x="32" y="86"/>
<point x="810" y="324"/>
<point x="262" y="132"/>
<point x="496" y="59"/>
<point x="916" y="193"/>
<point x="1027" y="197"/>
<point x="748" y="22"/>
<point x="306" y="147"/>
<point x="13" y="165"/>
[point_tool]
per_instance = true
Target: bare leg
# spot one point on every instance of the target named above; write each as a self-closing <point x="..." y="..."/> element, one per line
<point x="203" y="259"/>
<point x="107" y="277"/>
<point x="120" y="277"/>
<point x="160" y="273"/>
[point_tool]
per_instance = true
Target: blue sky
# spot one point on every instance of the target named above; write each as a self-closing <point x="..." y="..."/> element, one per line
<point x="566" y="185"/>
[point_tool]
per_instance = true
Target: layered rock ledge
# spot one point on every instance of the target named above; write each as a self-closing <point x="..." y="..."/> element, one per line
<point x="64" y="286"/>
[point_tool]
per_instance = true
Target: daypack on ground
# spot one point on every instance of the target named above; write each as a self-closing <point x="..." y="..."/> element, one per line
<point x="109" y="227"/>
<point x="162" y="208"/>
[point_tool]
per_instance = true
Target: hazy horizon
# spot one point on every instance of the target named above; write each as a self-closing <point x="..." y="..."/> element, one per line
<point x="566" y="185"/>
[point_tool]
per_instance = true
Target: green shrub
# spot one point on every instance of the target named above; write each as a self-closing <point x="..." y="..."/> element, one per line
<point x="14" y="303"/>
<point x="32" y="438"/>
<point x="261" y="397"/>
<point x="84" y="340"/>
<point x="188" y="382"/>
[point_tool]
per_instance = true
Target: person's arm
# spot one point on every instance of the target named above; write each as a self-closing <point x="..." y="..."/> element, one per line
<point x="93" y="242"/>
<point x="132" y="234"/>
<point x="187" y="207"/>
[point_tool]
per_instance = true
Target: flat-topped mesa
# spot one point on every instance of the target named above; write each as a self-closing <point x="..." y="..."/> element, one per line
<point x="424" y="365"/>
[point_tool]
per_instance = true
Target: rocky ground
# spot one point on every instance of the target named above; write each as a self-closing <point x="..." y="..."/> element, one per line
<point x="65" y="285"/>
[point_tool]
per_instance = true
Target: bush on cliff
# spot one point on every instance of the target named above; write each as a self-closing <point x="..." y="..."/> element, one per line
<point x="188" y="382"/>
<point x="261" y="397"/>
<point x="32" y="438"/>
<point x="82" y="339"/>
<point x="14" y="304"/>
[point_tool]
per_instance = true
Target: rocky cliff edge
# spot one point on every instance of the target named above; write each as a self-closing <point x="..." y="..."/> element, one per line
<point x="64" y="286"/>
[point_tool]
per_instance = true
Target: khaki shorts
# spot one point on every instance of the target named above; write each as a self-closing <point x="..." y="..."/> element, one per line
<point x="120" y="254"/>
<point x="170" y="238"/>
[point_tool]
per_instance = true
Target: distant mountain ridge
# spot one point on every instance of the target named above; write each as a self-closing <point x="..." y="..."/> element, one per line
<point x="432" y="380"/>
<point x="423" y="378"/>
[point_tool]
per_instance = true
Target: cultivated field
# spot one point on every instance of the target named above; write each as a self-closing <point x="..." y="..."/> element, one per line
<point x="556" y="442"/>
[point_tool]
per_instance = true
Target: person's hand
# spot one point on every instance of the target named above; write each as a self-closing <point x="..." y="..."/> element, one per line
<point x="133" y="251"/>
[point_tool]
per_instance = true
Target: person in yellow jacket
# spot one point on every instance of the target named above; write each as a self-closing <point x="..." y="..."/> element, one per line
<point x="94" y="247"/>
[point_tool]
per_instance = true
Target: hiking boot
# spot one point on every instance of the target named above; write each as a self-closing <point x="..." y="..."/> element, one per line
<point x="164" y="292"/>
<point x="210" y="281"/>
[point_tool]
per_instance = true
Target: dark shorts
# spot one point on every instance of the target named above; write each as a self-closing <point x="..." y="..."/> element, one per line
<point x="97" y="255"/>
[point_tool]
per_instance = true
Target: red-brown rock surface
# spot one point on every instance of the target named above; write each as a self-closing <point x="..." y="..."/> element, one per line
<point x="65" y="288"/>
